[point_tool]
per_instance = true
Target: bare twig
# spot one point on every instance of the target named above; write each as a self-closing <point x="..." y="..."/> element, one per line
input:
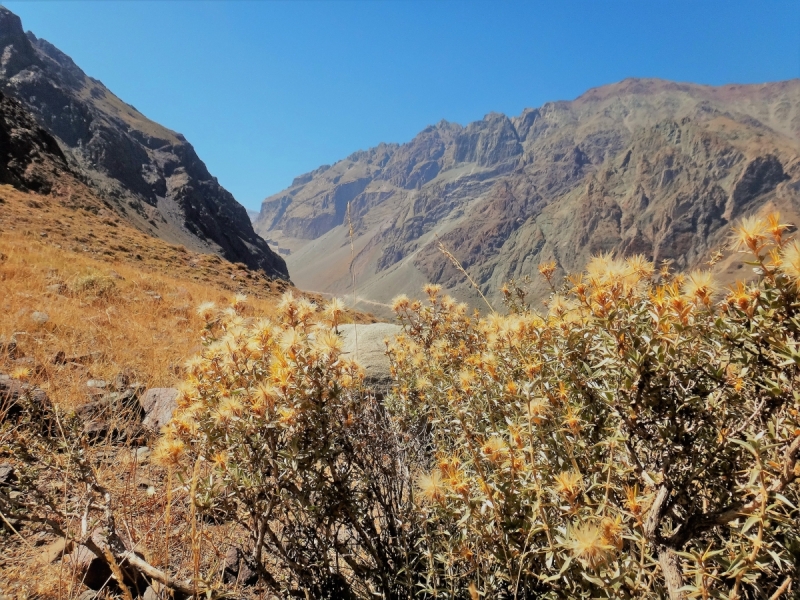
<point x="463" y="271"/>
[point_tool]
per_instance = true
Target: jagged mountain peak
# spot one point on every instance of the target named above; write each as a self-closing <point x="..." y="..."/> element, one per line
<point x="640" y="166"/>
<point x="150" y="174"/>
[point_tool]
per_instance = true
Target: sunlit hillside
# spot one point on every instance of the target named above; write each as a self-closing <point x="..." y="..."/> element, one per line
<point x="76" y="279"/>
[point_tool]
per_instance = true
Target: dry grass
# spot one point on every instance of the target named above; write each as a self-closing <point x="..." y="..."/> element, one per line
<point x="118" y="302"/>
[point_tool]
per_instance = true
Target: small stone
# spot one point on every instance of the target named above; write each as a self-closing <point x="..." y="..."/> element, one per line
<point x="8" y="347"/>
<point x="40" y="317"/>
<point x="141" y="454"/>
<point x="239" y="568"/>
<point x="54" y="550"/>
<point x="7" y="475"/>
<point x="96" y="429"/>
<point x="158" y="405"/>
<point x="97" y="383"/>
<point x="150" y="594"/>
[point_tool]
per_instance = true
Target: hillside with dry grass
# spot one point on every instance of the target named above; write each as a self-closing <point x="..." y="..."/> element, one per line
<point x="109" y="291"/>
<point x="86" y="298"/>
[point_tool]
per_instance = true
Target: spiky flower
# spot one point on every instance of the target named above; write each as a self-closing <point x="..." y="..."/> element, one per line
<point x="431" y="487"/>
<point x="494" y="448"/>
<point x="700" y="286"/>
<point x="750" y="234"/>
<point x="547" y="270"/>
<point x="790" y="261"/>
<point x="21" y="373"/>
<point x="206" y="310"/>
<point x="400" y="303"/>
<point x="588" y="546"/>
<point x="568" y="484"/>
<point x="327" y="343"/>
<point x="169" y="451"/>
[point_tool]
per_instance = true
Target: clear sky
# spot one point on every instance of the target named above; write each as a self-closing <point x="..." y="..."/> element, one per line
<point x="268" y="90"/>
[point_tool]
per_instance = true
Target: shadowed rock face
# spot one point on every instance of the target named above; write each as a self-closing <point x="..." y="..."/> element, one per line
<point x="151" y="175"/>
<point x="642" y="166"/>
<point x="30" y="158"/>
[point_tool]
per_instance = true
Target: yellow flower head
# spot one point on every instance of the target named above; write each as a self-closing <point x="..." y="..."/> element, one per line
<point x="305" y="310"/>
<point x="21" y="373"/>
<point x="547" y="269"/>
<point x="432" y="290"/>
<point x="466" y="378"/>
<point x="494" y="448"/>
<point x="220" y="459"/>
<point x="431" y="487"/>
<point x="612" y="531"/>
<point x="775" y="227"/>
<point x="640" y="267"/>
<point x="239" y="301"/>
<point x="538" y="409"/>
<point x="194" y="364"/>
<point x="333" y="311"/>
<point x="327" y="343"/>
<point x="206" y="310"/>
<point x="587" y="545"/>
<point x="790" y="261"/>
<point x="290" y="340"/>
<point x="228" y="409"/>
<point x="263" y="398"/>
<point x="750" y="234"/>
<point x="400" y="303"/>
<point x="700" y="286"/>
<point x="169" y="451"/>
<point x="568" y="484"/>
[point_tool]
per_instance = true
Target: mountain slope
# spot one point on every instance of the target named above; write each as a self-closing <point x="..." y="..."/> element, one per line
<point x="151" y="175"/>
<point x="642" y="166"/>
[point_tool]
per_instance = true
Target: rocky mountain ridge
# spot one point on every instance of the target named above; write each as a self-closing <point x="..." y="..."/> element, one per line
<point x="641" y="166"/>
<point x="149" y="174"/>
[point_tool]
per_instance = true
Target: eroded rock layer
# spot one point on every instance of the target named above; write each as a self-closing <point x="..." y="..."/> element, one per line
<point x="641" y="166"/>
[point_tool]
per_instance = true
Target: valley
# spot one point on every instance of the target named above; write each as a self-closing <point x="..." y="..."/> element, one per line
<point x="641" y="166"/>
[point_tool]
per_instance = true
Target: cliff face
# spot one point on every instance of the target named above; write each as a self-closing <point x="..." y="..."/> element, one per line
<point x="30" y="158"/>
<point x="642" y="166"/>
<point x="149" y="174"/>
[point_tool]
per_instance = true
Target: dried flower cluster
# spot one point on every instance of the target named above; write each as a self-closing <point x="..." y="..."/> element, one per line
<point x="273" y="429"/>
<point x="641" y="439"/>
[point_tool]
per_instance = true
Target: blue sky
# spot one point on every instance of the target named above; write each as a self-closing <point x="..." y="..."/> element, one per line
<point x="268" y="90"/>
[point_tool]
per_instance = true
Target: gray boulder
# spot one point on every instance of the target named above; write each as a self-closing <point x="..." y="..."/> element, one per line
<point x="366" y="345"/>
<point x="158" y="405"/>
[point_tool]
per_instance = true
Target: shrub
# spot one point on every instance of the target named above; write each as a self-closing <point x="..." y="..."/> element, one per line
<point x="640" y="439"/>
<point x="273" y="428"/>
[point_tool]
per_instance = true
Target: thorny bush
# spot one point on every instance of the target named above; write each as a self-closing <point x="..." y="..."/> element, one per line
<point x="640" y="439"/>
<point x="274" y="427"/>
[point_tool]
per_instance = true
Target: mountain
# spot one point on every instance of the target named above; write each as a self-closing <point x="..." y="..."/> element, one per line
<point x="150" y="175"/>
<point x="641" y="166"/>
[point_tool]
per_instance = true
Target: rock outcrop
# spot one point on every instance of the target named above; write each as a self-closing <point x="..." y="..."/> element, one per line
<point x="30" y="157"/>
<point x="366" y="344"/>
<point x="641" y="166"/>
<point x="150" y="175"/>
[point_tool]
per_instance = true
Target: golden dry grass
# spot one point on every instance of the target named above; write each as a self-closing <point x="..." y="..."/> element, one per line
<point x="117" y="301"/>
